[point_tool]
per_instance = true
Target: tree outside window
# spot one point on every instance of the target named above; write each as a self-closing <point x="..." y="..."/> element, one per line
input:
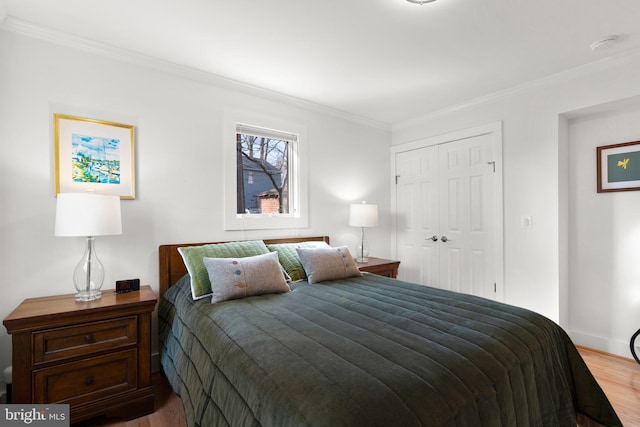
<point x="263" y="172"/>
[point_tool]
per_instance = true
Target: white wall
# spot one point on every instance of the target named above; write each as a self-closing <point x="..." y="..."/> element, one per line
<point x="536" y="182"/>
<point x="604" y="236"/>
<point x="179" y="140"/>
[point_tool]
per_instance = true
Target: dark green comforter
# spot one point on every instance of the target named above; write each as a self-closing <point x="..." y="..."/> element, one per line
<point x="372" y="351"/>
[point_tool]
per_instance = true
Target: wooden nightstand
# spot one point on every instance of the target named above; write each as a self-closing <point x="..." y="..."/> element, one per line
<point x="94" y="356"/>
<point x="380" y="266"/>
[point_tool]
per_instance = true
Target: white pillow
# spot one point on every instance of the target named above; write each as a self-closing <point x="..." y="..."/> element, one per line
<point x="233" y="278"/>
<point x="289" y="258"/>
<point x="329" y="263"/>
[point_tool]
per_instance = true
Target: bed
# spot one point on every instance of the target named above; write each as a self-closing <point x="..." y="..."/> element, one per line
<point x="367" y="350"/>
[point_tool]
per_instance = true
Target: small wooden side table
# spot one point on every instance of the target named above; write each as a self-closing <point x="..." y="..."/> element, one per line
<point x="380" y="266"/>
<point x="94" y="355"/>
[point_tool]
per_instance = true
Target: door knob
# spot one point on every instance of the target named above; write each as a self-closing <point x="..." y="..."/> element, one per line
<point x="434" y="238"/>
<point x="444" y="239"/>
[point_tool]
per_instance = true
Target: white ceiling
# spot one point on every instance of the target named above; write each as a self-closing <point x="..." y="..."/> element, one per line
<point x="384" y="60"/>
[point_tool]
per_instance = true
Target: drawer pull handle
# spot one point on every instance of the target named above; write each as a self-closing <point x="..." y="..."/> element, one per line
<point x="88" y="380"/>
<point x="88" y="339"/>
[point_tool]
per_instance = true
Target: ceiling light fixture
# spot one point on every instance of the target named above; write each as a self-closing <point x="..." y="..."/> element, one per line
<point x="603" y="41"/>
<point x="421" y="1"/>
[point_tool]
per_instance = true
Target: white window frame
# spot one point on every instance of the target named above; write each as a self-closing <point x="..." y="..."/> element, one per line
<point x="298" y="217"/>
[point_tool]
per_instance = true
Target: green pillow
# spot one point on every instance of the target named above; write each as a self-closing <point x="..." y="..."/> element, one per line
<point x="193" y="259"/>
<point x="289" y="259"/>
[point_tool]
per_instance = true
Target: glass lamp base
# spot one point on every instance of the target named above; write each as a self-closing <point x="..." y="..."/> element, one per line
<point x="89" y="274"/>
<point x="362" y="250"/>
<point x="88" y="295"/>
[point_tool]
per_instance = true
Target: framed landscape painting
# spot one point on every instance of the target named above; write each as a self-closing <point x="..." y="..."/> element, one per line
<point x="93" y="155"/>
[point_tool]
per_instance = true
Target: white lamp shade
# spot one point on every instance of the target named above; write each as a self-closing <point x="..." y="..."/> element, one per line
<point x="87" y="214"/>
<point x="363" y="215"/>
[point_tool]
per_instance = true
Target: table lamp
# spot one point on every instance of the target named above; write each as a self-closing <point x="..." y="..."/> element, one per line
<point x="89" y="215"/>
<point x="363" y="215"/>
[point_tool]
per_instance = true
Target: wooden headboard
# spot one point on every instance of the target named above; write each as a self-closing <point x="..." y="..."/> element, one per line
<point x="172" y="267"/>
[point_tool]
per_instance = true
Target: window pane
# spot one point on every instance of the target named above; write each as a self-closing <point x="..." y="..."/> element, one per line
<point x="262" y="174"/>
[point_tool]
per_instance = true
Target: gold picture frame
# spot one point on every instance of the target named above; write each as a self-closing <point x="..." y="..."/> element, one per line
<point x="93" y="155"/>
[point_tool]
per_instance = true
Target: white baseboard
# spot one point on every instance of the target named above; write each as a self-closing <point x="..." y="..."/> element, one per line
<point x="619" y="348"/>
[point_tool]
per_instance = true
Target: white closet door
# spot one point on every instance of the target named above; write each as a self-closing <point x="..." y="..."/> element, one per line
<point x="444" y="207"/>
<point x="466" y="216"/>
<point x="417" y="220"/>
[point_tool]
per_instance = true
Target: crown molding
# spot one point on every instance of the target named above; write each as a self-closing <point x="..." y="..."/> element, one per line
<point x="28" y="29"/>
<point x="561" y="77"/>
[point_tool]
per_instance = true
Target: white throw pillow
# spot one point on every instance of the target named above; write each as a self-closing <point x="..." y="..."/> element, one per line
<point x="329" y="263"/>
<point x="233" y="278"/>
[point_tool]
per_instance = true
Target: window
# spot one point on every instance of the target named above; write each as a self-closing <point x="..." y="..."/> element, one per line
<point x="263" y="159"/>
<point x="262" y="167"/>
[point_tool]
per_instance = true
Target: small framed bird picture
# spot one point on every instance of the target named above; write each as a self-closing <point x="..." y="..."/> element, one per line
<point x="618" y="167"/>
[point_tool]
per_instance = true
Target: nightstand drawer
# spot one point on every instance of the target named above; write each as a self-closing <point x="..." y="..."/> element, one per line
<point x="60" y="343"/>
<point x="380" y="266"/>
<point x="87" y="380"/>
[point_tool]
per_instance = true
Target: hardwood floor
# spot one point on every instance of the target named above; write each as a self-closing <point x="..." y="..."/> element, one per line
<point x="618" y="377"/>
<point x="169" y="411"/>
